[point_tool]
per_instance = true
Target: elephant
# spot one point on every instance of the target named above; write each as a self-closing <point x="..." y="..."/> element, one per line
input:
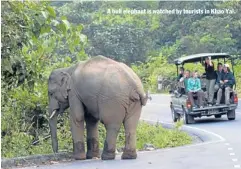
<point x="97" y="90"/>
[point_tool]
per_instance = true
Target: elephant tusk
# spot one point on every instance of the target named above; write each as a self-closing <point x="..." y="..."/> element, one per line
<point x="52" y="115"/>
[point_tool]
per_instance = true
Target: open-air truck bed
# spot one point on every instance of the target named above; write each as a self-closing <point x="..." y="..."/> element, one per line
<point x="181" y="106"/>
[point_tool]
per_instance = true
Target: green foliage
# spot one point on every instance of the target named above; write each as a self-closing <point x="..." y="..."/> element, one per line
<point x="38" y="37"/>
<point x="122" y="37"/>
<point x="34" y="42"/>
<point x="18" y="144"/>
<point x="156" y="66"/>
<point x="160" y="137"/>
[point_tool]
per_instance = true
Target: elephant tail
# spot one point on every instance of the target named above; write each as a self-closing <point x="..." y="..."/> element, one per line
<point x="142" y="97"/>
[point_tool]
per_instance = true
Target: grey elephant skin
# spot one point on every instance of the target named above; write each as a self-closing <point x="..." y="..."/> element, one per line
<point x="99" y="89"/>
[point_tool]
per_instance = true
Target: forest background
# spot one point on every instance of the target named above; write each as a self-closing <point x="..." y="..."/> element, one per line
<point x="38" y="37"/>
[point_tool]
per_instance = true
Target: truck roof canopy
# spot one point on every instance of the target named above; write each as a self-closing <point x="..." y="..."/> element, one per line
<point x="200" y="57"/>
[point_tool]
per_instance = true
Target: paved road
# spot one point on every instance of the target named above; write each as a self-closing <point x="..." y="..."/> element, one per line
<point x="229" y="133"/>
<point x="222" y="152"/>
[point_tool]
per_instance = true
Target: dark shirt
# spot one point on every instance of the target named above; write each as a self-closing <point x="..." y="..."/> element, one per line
<point x="219" y="75"/>
<point x="228" y="76"/>
<point x="210" y="72"/>
<point x="179" y="77"/>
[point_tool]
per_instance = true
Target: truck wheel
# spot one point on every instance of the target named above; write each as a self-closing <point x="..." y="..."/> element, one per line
<point x="175" y="116"/>
<point x="231" y="115"/>
<point x="188" y="119"/>
<point x="217" y="116"/>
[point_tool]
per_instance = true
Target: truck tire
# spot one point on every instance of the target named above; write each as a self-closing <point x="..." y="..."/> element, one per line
<point x="187" y="119"/>
<point x="175" y="115"/>
<point x="231" y="115"/>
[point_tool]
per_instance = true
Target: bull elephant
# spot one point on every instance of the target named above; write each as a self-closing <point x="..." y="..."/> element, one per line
<point x="99" y="89"/>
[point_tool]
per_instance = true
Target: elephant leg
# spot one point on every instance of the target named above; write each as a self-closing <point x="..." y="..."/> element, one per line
<point x="77" y="127"/>
<point x="130" y="125"/>
<point x="92" y="137"/>
<point x="110" y="142"/>
<point x="112" y="115"/>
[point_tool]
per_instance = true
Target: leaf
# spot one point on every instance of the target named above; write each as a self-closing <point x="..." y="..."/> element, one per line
<point x="49" y="49"/>
<point x="63" y="18"/>
<point x="45" y="15"/>
<point x="71" y="48"/>
<point x="24" y="49"/>
<point x="67" y="24"/>
<point x="83" y="38"/>
<point x="62" y="28"/>
<point x="79" y="28"/>
<point x="68" y="59"/>
<point x="51" y="11"/>
<point x="7" y="65"/>
<point x="55" y="22"/>
<point x="45" y="29"/>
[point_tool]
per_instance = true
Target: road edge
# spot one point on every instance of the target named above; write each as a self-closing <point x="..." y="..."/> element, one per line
<point x="44" y="159"/>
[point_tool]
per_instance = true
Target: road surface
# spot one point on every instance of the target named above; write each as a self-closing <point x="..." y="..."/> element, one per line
<point x="222" y="151"/>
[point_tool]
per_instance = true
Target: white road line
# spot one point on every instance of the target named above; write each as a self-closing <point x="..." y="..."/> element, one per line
<point x="181" y="147"/>
<point x="221" y="139"/>
<point x="205" y="131"/>
<point x="195" y="128"/>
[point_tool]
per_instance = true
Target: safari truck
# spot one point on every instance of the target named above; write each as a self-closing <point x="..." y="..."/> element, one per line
<point x="181" y="107"/>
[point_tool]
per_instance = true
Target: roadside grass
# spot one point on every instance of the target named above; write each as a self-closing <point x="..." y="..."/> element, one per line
<point x="157" y="136"/>
<point x="20" y="144"/>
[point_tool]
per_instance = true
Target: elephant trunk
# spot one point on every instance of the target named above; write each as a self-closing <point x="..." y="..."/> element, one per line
<point x="53" y="130"/>
<point x="54" y="110"/>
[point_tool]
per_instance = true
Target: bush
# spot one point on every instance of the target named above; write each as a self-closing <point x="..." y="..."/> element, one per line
<point x="20" y="144"/>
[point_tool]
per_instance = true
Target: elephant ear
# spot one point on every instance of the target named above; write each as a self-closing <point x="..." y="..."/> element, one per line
<point x="65" y="84"/>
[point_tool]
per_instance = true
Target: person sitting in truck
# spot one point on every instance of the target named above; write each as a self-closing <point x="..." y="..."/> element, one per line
<point x="185" y="78"/>
<point x="226" y="84"/>
<point x="194" y="87"/>
<point x="181" y="74"/>
<point x="219" y="73"/>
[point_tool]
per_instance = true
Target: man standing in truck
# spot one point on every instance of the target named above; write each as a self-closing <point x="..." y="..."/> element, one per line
<point x="211" y="79"/>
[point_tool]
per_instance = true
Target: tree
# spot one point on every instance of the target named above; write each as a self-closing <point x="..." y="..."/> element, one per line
<point x="34" y="42"/>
